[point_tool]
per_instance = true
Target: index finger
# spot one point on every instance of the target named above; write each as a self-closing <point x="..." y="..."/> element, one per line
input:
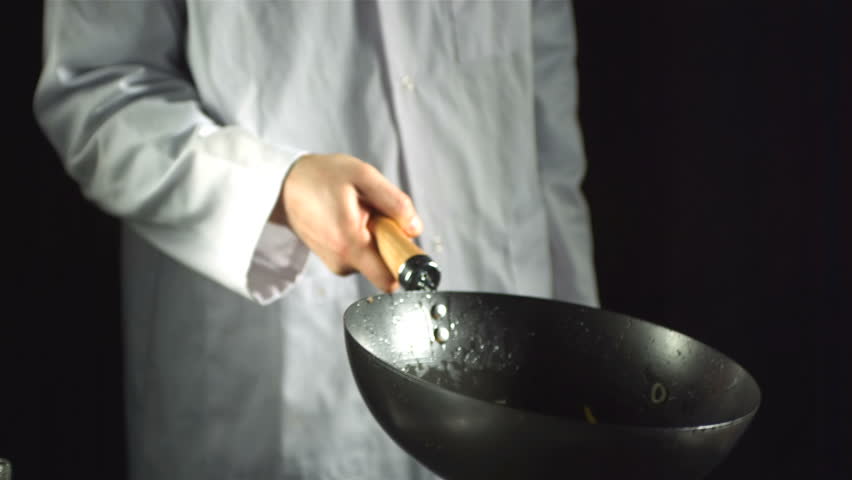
<point x="389" y="200"/>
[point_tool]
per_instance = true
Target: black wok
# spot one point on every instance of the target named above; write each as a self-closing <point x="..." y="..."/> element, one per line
<point x="477" y="385"/>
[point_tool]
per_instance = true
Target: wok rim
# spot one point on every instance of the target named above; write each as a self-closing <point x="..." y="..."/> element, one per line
<point x="746" y="417"/>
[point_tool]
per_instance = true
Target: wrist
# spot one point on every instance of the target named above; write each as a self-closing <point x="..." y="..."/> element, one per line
<point x="278" y="215"/>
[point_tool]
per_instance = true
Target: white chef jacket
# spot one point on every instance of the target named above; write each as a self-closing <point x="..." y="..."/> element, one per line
<point x="182" y="119"/>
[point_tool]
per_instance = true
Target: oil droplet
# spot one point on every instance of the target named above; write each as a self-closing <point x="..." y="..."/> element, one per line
<point x="439" y="311"/>
<point x="452" y="326"/>
<point x="589" y="416"/>
<point x="370" y="299"/>
<point x="442" y="334"/>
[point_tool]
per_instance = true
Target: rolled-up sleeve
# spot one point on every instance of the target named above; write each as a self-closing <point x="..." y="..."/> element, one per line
<point x="116" y="101"/>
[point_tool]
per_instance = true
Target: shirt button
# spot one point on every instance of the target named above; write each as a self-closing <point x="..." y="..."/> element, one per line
<point x="407" y="82"/>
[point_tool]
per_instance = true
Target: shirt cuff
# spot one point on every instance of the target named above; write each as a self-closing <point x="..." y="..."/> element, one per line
<point x="278" y="261"/>
<point x="266" y="259"/>
<point x="279" y="258"/>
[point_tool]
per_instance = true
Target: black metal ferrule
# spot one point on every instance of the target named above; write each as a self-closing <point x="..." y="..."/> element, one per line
<point x="419" y="272"/>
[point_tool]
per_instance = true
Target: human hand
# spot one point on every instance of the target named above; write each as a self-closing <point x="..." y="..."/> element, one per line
<point x="327" y="201"/>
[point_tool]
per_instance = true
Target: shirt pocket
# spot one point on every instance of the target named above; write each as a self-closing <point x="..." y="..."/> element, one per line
<point x="489" y="28"/>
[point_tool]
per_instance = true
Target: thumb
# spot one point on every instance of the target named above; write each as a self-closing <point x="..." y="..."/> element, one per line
<point x="389" y="200"/>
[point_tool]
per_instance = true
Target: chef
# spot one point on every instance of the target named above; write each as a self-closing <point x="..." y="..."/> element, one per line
<point x="244" y="146"/>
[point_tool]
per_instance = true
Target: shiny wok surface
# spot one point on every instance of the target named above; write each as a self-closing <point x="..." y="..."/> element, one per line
<point x="525" y="386"/>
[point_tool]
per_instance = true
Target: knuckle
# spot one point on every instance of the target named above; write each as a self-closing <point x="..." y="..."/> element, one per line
<point x="402" y="204"/>
<point x="363" y="170"/>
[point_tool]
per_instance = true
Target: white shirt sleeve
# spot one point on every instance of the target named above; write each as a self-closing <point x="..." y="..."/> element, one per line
<point x="278" y="260"/>
<point x="121" y="111"/>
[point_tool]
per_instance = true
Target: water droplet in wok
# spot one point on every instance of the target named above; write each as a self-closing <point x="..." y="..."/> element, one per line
<point x="442" y="334"/>
<point x="439" y="311"/>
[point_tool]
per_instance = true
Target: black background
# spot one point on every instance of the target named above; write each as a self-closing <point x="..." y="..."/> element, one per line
<point x="719" y="137"/>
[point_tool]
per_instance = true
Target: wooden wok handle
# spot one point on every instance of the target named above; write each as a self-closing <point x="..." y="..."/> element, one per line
<point x="414" y="269"/>
<point x="394" y="245"/>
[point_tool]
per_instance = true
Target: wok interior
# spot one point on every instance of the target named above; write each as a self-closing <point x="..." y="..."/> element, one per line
<point x="554" y="358"/>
